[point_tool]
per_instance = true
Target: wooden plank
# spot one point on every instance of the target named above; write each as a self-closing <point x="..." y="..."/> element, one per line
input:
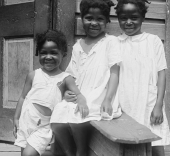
<point x="125" y="130"/>
<point x="43" y="16"/>
<point x="1" y="74"/>
<point x="10" y="2"/>
<point x="114" y="29"/>
<point x="167" y="150"/>
<point x="6" y="124"/>
<point x="64" y="20"/>
<point x="136" y="150"/>
<point x="167" y="53"/>
<point x="17" y="20"/>
<point x="157" y="10"/>
<point x="101" y="145"/>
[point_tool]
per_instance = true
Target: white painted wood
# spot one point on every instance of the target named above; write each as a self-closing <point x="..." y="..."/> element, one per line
<point x="17" y="62"/>
<point x="10" y="2"/>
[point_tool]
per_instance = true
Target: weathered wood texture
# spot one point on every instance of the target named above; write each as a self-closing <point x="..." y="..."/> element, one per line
<point x="17" y="63"/>
<point x="10" y="2"/>
<point x="122" y="137"/>
<point x="17" y="20"/>
<point x="125" y="130"/>
<point x="63" y="19"/>
<point x="167" y="52"/>
<point x="156" y="10"/>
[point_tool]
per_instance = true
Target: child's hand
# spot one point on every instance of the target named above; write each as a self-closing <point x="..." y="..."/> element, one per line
<point x="156" y="116"/>
<point x="16" y="126"/>
<point x="69" y="96"/>
<point x="106" y="107"/>
<point x="82" y="106"/>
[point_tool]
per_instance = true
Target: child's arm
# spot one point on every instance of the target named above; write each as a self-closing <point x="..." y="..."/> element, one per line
<point x="111" y="90"/>
<point x="157" y="114"/>
<point x="26" y="89"/>
<point x="81" y="101"/>
<point x="70" y="96"/>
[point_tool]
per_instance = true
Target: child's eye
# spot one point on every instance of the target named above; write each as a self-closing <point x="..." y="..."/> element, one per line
<point x="123" y="18"/>
<point x="43" y="52"/>
<point x="134" y="18"/>
<point x="89" y="18"/>
<point x="100" y="19"/>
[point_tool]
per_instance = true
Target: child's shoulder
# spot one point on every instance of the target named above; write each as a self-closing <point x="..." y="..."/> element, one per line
<point x="155" y="39"/>
<point x="30" y="75"/>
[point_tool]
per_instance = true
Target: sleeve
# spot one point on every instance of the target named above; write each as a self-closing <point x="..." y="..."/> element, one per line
<point x="72" y="66"/>
<point x="113" y="52"/>
<point x="160" y="54"/>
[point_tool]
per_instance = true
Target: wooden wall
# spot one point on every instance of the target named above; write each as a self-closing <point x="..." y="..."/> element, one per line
<point x="156" y="22"/>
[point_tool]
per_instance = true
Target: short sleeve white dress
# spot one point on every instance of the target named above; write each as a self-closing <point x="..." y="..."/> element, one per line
<point x="143" y="57"/>
<point x="92" y="72"/>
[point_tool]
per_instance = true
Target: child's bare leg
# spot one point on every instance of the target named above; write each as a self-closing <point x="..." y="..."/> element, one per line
<point x="158" y="151"/>
<point x="65" y="139"/>
<point x="29" y="151"/>
<point x="81" y="133"/>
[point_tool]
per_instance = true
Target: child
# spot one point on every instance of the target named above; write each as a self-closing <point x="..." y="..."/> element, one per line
<point x="142" y="72"/>
<point x="43" y="89"/>
<point x="94" y="64"/>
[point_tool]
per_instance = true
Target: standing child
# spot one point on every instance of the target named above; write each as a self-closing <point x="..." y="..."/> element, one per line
<point x="142" y="72"/>
<point x="43" y="89"/>
<point x="94" y="64"/>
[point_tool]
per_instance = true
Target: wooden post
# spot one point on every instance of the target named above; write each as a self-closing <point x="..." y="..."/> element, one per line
<point x="64" y="20"/>
<point x="167" y="52"/>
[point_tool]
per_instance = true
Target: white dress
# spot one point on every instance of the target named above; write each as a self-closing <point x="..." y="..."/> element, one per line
<point x="34" y="127"/>
<point x="143" y="56"/>
<point x="92" y="72"/>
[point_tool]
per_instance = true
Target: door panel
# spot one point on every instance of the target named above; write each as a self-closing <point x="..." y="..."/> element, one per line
<point x="18" y="62"/>
<point x="19" y="24"/>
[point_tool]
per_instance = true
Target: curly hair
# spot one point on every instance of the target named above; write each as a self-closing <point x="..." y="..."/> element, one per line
<point x="103" y="5"/>
<point x="52" y="35"/>
<point x="140" y="4"/>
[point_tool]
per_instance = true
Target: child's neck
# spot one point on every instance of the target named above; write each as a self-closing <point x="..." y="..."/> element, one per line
<point x="53" y="72"/>
<point x="90" y="39"/>
<point x="88" y="42"/>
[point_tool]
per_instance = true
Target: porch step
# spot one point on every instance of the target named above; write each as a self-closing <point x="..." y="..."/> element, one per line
<point x="11" y="150"/>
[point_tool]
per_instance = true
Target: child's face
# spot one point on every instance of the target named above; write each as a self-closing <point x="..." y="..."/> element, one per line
<point x="50" y="56"/>
<point x="130" y="19"/>
<point x="94" y="23"/>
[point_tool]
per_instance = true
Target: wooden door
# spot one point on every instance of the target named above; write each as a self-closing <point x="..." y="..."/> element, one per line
<point x="20" y="21"/>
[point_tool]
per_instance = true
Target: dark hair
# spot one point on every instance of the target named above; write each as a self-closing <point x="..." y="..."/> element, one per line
<point x="52" y="35"/>
<point x="141" y="4"/>
<point x="103" y="5"/>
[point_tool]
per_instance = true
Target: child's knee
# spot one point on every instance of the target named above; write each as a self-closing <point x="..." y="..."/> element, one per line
<point x="29" y="153"/>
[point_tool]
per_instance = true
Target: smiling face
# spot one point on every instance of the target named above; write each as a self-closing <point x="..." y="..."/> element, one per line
<point x="130" y="19"/>
<point x="94" y="23"/>
<point x="50" y="57"/>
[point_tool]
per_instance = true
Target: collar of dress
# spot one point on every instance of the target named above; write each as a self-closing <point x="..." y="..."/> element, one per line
<point x="135" y="38"/>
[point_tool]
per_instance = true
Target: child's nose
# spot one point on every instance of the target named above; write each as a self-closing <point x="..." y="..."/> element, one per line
<point x="94" y="22"/>
<point x="129" y="21"/>
<point x="48" y="56"/>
